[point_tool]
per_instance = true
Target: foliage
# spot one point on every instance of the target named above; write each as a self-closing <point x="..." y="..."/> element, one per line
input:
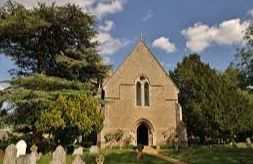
<point x="212" y="106"/>
<point x="53" y="105"/>
<point x="58" y="67"/>
<point x="244" y="60"/>
<point x="54" y="40"/>
<point x="114" y="136"/>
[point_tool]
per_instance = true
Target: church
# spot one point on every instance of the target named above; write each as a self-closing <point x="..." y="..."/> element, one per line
<point x="142" y="102"/>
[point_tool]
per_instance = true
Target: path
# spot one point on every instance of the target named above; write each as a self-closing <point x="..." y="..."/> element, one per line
<point x="151" y="151"/>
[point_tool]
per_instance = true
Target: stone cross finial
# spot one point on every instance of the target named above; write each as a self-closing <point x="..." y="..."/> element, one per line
<point x="141" y="37"/>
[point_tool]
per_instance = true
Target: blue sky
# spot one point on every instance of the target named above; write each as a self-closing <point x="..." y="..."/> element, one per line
<point x="172" y="29"/>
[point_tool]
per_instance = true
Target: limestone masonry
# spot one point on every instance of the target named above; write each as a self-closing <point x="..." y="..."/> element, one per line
<point x="142" y="101"/>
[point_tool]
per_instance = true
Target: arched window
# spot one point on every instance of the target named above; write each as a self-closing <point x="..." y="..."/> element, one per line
<point x="138" y="94"/>
<point x="146" y="94"/>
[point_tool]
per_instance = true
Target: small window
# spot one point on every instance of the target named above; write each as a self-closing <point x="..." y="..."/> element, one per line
<point x="146" y="93"/>
<point x="138" y="94"/>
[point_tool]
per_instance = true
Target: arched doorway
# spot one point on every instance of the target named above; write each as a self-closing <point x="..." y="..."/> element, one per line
<point x="142" y="135"/>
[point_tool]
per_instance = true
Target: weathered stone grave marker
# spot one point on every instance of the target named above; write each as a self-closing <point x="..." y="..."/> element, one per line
<point x="100" y="159"/>
<point x="10" y="155"/>
<point x="34" y="156"/>
<point x="78" y="151"/>
<point x="21" y="148"/>
<point x="59" y="156"/>
<point x="1" y="154"/>
<point x="78" y="160"/>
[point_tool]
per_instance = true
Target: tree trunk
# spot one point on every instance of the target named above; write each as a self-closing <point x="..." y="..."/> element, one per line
<point x="41" y="62"/>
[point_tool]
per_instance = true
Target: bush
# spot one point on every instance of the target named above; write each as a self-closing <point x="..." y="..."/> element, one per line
<point x="116" y="136"/>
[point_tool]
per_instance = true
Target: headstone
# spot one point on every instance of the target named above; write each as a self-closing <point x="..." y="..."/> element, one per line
<point x="100" y="159"/>
<point x="23" y="159"/>
<point x="78" y="151"/>
<point x="80" y="139"/>
<point x="21" y="148"/>
<point x="1" y="154"/>
<point x="139" y="155"/>
<point x="78" y="160"/>
<point x="248" y="142"/>
<point x="34" y="156"/>
<point x="59" y="156"/>
<point x="10" y="155"/>
<point x="94" y="149"/>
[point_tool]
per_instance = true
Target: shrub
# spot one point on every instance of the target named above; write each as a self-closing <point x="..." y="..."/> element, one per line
<point x="115" y="136"/>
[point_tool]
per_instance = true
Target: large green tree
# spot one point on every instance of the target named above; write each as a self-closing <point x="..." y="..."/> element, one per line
<point x="58" y="70"/>
<point x="42" y="104"/>
<point x="244" y="60"/>
<point x="212" y="107"/>
<point x="54" y="40"/>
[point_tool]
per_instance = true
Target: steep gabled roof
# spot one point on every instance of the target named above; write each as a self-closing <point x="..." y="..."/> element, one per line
<point x="141" y="42"/>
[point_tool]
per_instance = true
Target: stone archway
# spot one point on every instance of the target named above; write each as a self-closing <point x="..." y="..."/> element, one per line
<point x="144" y="132"/>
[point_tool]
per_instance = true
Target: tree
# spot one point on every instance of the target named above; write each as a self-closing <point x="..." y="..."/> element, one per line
<point x="244" y="60"/>
<point x="42" y="104"/>
<point x="212" y="107"/>
<point x="58" y="70"/>
<point x="54" y="40"/>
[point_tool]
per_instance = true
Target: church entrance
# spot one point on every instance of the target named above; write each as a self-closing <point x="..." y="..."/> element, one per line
<point x="142" y="134"/>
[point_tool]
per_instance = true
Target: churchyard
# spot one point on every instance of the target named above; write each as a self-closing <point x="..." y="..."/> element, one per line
<point x="61" y="103"/>
<point x="219" y="154"/>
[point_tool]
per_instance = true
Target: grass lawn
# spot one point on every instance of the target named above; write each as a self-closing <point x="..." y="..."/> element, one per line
<point x="111" y="157"/>
<point x="217" y="155"/>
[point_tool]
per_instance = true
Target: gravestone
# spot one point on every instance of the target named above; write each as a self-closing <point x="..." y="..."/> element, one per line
<point x="34" y="156"/>
<point x="139" y="155"/>
<point x="78" y="160"/>
<point x="23" y="159"/>
<point x="1" y="154"/>
<point x="21" y="148"/>
<point x="248" y="142"/>
<point x="59" y="156"/>
<point x="100" y="159"/>
<point x="10" y="155"/>
<point x="94" y="149"/>
<point x="78" y="151"/>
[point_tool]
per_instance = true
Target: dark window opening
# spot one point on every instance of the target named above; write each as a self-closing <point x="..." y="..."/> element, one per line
<point x="146" y="92"/>
<point x="138" y="94"/>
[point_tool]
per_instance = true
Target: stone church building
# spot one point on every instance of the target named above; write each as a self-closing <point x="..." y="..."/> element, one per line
<point x="142" y="102"/>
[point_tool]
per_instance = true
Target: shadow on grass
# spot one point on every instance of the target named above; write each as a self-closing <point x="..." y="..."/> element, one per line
<point x="111" y="157"/>
<point x="217" y="155"/>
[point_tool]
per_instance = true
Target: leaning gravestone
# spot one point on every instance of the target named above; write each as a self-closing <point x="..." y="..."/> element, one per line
<point x="10" y="155"/>
<point x="21" y="148"/>
<point x="1" y="154"/>
<point x="59" y="156"/>
<point x="78" y="160"/>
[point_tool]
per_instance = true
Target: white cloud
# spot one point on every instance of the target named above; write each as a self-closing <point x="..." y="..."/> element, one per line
<point x="164" y="44"/>
<point x="83" y="3"/>
<point x="201" y="36"/>
<point x="148" y="16"/>
<point x="108" y="26"/>
<point x="108" y="44"/>
<point x="3" y="86"/>
<point x="108" y="7"/>
<point x="250" y="12"/>
<point x="99" y="8"/>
